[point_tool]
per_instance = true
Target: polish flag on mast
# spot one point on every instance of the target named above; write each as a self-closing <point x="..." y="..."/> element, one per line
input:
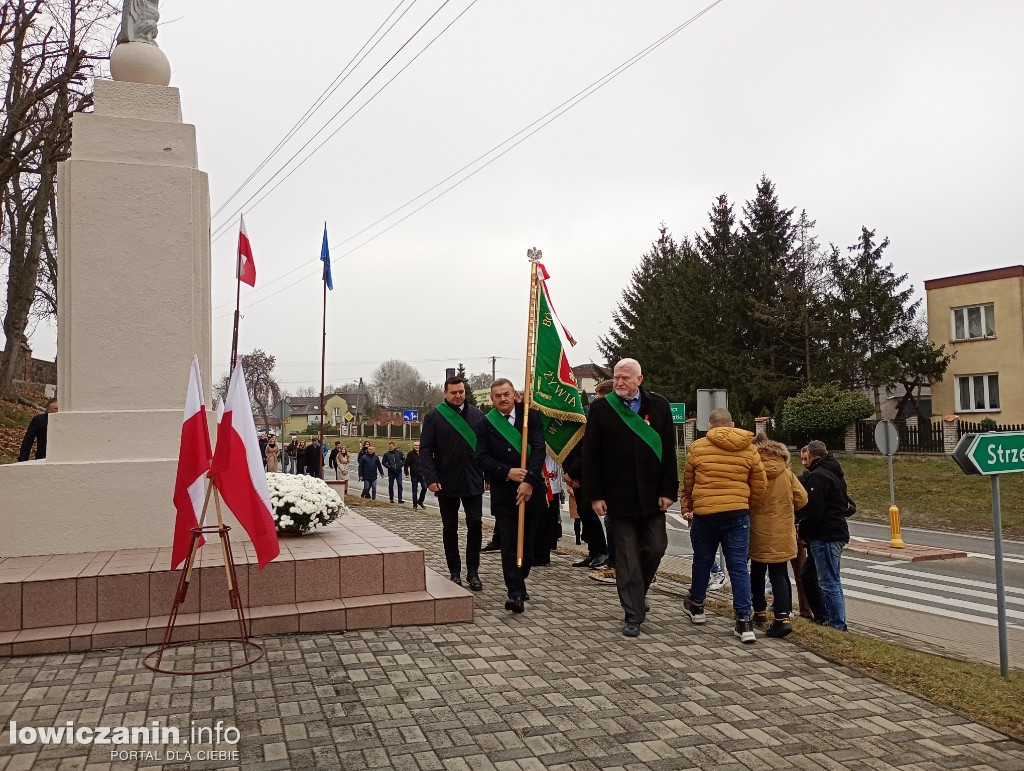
<point x="193" y="464"/>
<point x="246" y="267"/>
<point x="238" y="471"/>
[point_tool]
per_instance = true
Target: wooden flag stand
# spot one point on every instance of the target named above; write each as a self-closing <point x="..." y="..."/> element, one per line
<point x="235" y="599"/>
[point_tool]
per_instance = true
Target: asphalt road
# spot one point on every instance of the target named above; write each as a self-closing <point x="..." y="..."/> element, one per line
<point x="946" y="606"/>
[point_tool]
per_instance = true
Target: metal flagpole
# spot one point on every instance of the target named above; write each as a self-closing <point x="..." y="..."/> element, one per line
<point x="534" y="256"/>
<point x="323" y="365"/>
<point x="238" y="305"/>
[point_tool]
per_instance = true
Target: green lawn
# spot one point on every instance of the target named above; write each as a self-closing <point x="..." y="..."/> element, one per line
<point x="932" y="493"/>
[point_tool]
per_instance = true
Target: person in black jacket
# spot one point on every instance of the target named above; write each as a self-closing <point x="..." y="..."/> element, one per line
<point x="414" y="471"/>
<point x="369" y="468"/>
<point x="821" y="524"/>
<point x="36" y="434"/>
<point x="630" y="475"/>
<point x="393" y="461"/>
<point x="448" y="446"/>
<point x="592" y="529"/>
<point x="499" y="438"/>
<point x="314" y="458"/>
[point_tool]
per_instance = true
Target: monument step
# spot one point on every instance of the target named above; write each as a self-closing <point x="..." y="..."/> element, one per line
<point x="442" y="602"/>
<point x="350" y="558"/>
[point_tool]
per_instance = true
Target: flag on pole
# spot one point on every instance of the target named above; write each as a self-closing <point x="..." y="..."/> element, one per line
<point x="325" y="256"/>
<point x="556" y="392"/>
<point x="193" y="464"/>
<point x="238" y="471"/>
<point x="246" y="267"/>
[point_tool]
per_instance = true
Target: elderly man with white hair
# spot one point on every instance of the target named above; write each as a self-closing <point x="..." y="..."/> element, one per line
<point x="630" y="473"/>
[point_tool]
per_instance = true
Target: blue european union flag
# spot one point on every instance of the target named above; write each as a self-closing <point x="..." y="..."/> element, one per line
<point x="325" y="256"/>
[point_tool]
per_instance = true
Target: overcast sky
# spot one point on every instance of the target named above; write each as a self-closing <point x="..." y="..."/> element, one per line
<point x="906" y="117"/>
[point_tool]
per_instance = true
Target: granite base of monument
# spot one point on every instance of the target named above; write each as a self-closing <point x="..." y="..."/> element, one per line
<point x="353" y="574"/>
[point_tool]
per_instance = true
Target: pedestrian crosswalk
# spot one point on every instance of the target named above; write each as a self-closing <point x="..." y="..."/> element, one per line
<point x="934" y="593"/>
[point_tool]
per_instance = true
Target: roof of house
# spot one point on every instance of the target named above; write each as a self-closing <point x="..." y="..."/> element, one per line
<point x="588" y="370"/>
<point x="1012" y="271"/>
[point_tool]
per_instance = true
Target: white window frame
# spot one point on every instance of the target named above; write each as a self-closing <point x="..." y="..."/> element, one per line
<point x="986" y="310"/>
<point x="970" y="381"/>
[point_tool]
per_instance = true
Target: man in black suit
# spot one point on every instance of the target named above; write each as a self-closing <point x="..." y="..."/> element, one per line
<point x="630" y="474"/>
<point x="36" y="433"/>
<point x="499" y="442"/>
<point x="447" y="449"/>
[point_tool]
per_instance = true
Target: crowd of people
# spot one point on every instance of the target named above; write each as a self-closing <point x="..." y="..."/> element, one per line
<point x="737" y="493"/>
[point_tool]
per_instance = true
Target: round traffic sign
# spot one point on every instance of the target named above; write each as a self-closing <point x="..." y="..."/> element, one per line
<point x="887" y="438"/>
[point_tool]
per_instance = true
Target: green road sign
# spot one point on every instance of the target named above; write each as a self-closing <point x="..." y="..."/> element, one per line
<point x="992" y="453"/>
<point x="678" y="413"/>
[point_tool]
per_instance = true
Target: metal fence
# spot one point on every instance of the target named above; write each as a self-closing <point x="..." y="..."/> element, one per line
<point x="925" y="437"/>
<point x="976" y="428"/>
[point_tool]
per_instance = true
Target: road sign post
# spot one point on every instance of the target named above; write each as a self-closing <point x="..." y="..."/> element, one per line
<point x="994" y="454"/>
<point x="887" y="440"/>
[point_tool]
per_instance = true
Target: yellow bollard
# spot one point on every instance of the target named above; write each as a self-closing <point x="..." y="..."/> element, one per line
<point x="896" y="541"/>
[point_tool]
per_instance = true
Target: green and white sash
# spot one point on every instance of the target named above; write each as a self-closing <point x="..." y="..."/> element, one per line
<point x="636" y="424"/>
<point x="508" y="431"/>
<point x="458" y="423"/>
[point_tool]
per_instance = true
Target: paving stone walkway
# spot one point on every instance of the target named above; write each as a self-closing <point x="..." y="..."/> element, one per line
<point x="558" y="687"/>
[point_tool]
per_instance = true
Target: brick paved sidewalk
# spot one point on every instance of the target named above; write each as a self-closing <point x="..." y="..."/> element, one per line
<point x="557" y="687"/>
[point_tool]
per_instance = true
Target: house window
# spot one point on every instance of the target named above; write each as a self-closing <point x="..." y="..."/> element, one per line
<point x="977" y="393"/>
<point x="974" y="322"/>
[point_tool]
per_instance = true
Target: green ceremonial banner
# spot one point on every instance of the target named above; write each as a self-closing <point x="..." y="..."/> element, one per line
<point x="556" y="393"/>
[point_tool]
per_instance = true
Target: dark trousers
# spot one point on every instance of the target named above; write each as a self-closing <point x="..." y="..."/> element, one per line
<point x="593" y="531"/>
<point x="640" y="543"/>
<point x="393" y="479"/>
<point x="611" y="541"/>
<point x="473" y="505"/>
<point x="782" y="594"/>
<point x="506" y="525"/>
<point x="546" y="533"/>
<point x="417" y="498"/>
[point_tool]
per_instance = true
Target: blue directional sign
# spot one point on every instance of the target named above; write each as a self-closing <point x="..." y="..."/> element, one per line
<point x="410" y="416"/>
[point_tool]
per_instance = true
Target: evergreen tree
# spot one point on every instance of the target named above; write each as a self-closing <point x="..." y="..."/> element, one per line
<point x="870" y="316"/>
<point x="470" y="397"/>
<point x="769" y="321"/>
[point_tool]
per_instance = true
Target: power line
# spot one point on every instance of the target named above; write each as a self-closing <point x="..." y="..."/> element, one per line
<point x="543" y="120"/>
<point x="335" y="84"/>
<point x="223" y="228"/>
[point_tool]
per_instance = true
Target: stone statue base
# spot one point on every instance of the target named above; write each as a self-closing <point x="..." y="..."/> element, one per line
<point x="140" y="63"/>
<point x="134" y="306"/>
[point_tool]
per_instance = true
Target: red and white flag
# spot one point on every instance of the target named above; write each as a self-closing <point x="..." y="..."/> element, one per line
<point x="246" y="267"/>
<point x="238" y="471"/>
<point x="193" y="465"/>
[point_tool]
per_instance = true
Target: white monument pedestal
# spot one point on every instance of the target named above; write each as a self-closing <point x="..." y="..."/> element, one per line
<point x="134" y="306"/>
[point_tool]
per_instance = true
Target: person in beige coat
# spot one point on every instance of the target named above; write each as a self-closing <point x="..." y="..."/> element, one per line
<point x="273" y="454"/>
<point x="773" y="535"/>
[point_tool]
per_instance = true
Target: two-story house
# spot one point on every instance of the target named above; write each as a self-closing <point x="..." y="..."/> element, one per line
<point x="980" y="317"/>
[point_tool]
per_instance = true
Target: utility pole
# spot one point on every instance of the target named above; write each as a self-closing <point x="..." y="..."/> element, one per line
<point x="494" y="368"/>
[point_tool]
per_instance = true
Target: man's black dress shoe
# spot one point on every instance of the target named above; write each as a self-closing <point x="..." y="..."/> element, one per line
<point x="474" y="582"/>
<point x="456" y="579"/>
<point x="526" y="596"/>
<point x="490" y="546"/>
<point x="631" y="630"/>
<point x="516" y="606"/>
<point x="599" y="561"/>
<point x="583" y="563"/>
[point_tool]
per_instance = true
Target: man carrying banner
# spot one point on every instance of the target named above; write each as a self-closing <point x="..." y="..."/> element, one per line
<point x="447" y="448"/>
<point x="499" y="447"/>
<point x="630" y="473"/>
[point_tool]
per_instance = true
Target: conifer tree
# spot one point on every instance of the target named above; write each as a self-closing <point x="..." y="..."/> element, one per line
<point x="470" y="397"/>
<point x="870" y="315"/>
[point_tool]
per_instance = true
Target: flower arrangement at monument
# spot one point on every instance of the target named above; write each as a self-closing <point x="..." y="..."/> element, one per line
<point x="302" y="503"/>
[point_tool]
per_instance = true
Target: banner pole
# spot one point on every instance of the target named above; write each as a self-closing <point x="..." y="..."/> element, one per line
<point x="534" y="255"/>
